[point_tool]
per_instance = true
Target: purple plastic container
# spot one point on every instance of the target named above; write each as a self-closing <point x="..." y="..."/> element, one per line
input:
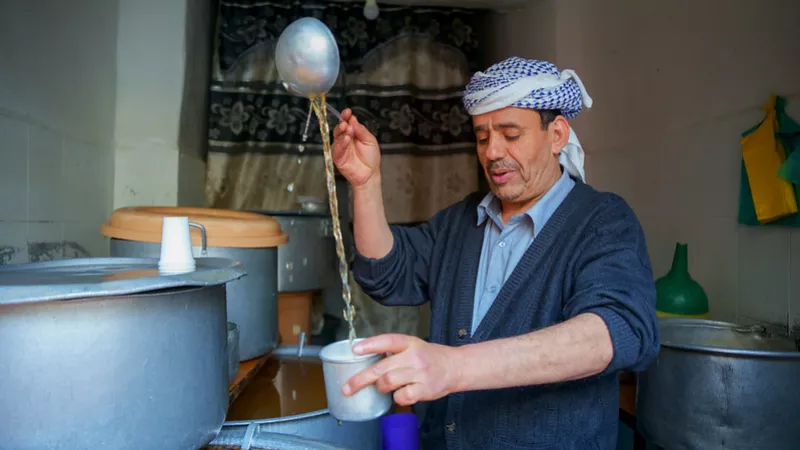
<point x="400" y="432"/>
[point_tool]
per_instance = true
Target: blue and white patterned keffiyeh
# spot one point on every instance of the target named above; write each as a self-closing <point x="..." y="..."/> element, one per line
<point x="528" y="83"/>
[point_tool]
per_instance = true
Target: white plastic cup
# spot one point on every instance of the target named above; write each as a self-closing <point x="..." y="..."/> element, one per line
<point x="176" y="246"/>
<point x="339" y="364"/>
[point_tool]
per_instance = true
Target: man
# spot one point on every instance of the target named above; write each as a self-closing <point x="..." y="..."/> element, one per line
<point x="541" y="292"/>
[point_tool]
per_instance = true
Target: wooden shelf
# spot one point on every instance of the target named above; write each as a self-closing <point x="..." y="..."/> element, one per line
<point x="247" y="370"/>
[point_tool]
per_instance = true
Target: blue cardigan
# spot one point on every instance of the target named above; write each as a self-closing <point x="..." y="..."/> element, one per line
<point x="589" y="257"/>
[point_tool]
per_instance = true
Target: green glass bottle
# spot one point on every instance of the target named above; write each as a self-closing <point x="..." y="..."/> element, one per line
<point x="678" y="295"/>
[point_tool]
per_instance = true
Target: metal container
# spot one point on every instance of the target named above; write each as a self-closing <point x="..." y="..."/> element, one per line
<point x="107" y="353"/>
<point x="717" y="385"/>
<point x="339" y="364"/>
<point x="248" y="238"/>
<point x="316" y="426"/>
<point x="308" y="261"/>
<point x="233" y="351"/>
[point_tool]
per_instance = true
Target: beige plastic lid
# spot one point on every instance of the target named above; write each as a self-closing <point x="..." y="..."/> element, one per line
<point x="224" y="228"/>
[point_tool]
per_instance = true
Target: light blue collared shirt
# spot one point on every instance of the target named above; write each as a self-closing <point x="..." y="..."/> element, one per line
<point x="504" y="245"/>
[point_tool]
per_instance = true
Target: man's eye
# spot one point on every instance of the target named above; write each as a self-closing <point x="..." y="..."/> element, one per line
<point x="512" y="138"/>
<point x="483" y="141"/>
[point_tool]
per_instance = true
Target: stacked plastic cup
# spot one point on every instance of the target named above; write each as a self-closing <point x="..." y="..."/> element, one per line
<point x="176" y="246"/>
<point x="400" y="432"/>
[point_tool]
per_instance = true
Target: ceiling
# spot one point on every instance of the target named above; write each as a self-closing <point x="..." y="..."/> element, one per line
<point x="483" y="4"/>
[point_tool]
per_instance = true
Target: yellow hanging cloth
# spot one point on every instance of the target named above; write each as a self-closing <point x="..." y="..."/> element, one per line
<point x="773" y="197"/>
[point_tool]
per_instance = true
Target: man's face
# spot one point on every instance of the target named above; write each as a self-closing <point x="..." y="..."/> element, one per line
<point x="517" y="155"/>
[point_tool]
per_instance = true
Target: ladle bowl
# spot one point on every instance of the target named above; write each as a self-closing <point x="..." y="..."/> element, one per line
<point x="307" y="58"/>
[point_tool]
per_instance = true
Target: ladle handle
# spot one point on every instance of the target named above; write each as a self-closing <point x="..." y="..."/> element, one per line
<point x="336" y="113"/>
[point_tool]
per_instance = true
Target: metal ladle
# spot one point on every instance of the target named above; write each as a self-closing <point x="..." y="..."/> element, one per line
<point x="307" y="58"/>
<point x="328" y="107"/>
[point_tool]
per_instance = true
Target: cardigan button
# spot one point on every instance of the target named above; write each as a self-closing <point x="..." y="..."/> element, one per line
<point x="462" y="333"/>
<point x="452" y="427"/>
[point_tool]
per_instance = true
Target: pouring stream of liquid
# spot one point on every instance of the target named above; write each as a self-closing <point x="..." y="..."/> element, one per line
<point x="329" y="108"/>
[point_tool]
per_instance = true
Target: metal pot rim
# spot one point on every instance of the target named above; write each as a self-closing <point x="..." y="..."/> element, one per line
<point x="19" y="288"/>
<point x="675" y="321"/>
<point x="731" y="352"/>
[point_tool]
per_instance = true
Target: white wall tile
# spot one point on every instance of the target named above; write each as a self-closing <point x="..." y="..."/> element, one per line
<point x="13" y="169"/>
<point x="699" y="168"/>
<point x="146" y="176"/>
<point x="661" y="235"/>
<point x="13" y="242"/>
<point x="85" y="237"/>
<point x="191" y="181"/>
<point x="620" y="172"/>
<point x="764" y="267"/>
<point x="103" y="183"/>
<point x="45" y="241"/>
<point x="79" y="195"/>
<point x="44" y="175"/>
<point x="64" y="74"/>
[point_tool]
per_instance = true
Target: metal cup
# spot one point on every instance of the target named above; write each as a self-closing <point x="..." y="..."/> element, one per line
<point x="339" y="364"/>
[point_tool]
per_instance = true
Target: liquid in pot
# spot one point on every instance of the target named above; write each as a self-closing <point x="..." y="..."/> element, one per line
<point x="281" y="388"/>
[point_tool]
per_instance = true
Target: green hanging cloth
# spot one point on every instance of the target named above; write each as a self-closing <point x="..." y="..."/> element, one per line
<point x="789" y="135"/>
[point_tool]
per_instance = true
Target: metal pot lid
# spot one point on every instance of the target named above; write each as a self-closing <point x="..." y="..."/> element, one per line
<point x="724" y="337"/>
<point x="224" y="228"/>
<point x="82" y="278"/>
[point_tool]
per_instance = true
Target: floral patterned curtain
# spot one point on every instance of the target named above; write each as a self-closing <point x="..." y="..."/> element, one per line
<point x="402" y="75"/>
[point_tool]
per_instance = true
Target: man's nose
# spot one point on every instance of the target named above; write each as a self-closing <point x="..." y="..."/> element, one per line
<point x="495" y="149"/>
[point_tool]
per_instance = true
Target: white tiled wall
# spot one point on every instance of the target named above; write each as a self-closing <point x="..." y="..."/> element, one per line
<point x="97" y="97"/>
<point x="56" y="127"/>
<point x="674" y="85"/>
<point x="163" y="51"/>
<point x="54" y="191"/>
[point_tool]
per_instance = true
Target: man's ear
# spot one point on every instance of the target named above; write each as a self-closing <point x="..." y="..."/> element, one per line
<point x="559" y="130"/>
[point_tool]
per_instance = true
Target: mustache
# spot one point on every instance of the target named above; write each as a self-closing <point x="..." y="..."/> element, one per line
<point x="502" y="164"/>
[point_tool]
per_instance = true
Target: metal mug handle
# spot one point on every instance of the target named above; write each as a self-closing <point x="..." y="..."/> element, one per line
<point x="203" y="241"/>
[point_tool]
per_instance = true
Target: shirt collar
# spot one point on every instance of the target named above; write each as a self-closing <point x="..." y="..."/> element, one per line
<point x="540" y="213"/>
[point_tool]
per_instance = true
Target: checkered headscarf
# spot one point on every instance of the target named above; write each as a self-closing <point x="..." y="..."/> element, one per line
<point x="528" y="83"/>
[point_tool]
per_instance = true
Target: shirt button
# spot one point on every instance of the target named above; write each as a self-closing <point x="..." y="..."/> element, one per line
<point x="462" y="333"/>
<point x="501" y="244"/>
<point x="452" y="427"/>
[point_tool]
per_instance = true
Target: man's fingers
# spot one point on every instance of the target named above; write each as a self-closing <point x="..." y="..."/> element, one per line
<point x="340" y="144"/>
<point x="408" y="395"/>
<point x="396" y="379"/>
<point x="384" y="343"/>
<point x="339" y="129"/>
<point x="371" y="374"/>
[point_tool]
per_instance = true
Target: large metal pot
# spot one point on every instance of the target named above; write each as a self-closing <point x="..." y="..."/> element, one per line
<point x="248" y="238"/>
<point x="106" y="353"/>
<point x="317" y="425"/>
<point x="717" y="385"/>
<point x="308" y="261"/>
